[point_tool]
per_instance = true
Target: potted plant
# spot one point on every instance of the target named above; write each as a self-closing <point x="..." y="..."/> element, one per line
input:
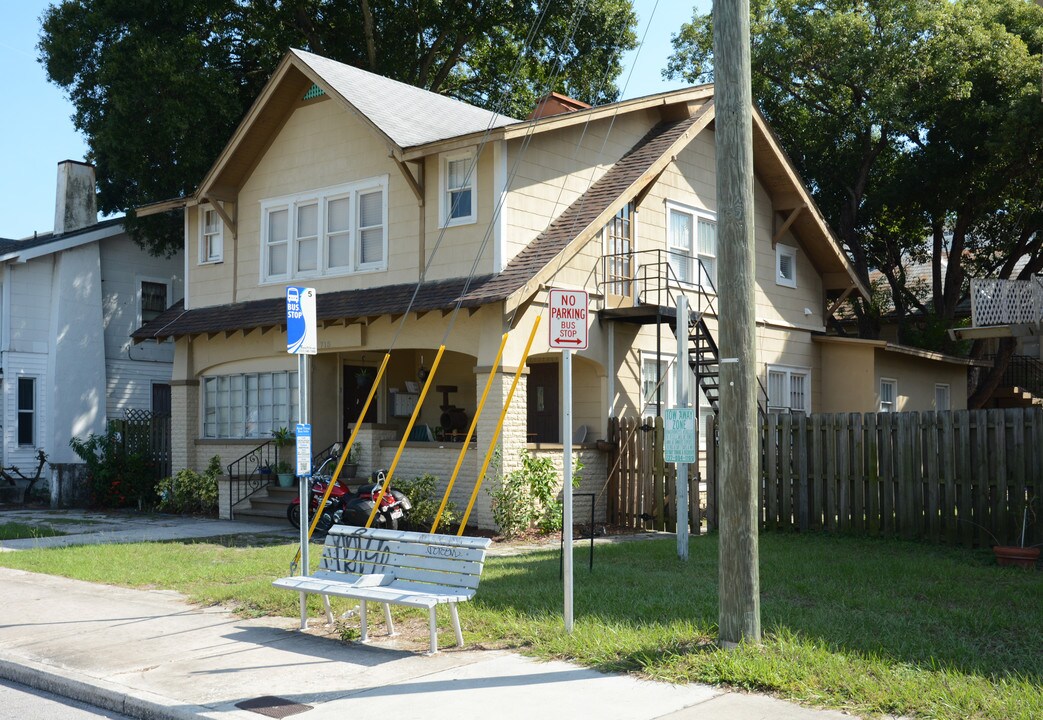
<point x="351" y="463"/>
<point x="363" y="379"/>
<point x="282" y="468"/>
<point x="1019" y="555"/>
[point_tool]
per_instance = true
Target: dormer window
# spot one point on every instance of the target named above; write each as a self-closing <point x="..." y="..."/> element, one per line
<point x="211" y="235"/>
<point x="459" y="199"/>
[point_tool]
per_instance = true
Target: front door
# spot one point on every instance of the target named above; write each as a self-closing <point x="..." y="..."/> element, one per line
<point x="542" y="397"/>
<point x="357" y="382"/>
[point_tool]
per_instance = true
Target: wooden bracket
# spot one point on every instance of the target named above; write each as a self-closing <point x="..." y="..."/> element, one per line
<point x="839" y="301"/>
<point x="786" y="224"/>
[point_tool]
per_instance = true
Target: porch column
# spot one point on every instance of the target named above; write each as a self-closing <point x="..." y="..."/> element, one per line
<point x="512" y="438"/>
<point x="184" y="422"/>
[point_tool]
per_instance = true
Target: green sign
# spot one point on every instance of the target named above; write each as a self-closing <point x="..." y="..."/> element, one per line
<point x="679" y="432"/>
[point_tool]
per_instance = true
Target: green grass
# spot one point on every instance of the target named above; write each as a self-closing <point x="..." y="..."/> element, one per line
<point x="19" y="531"/>
<point x="866" y="626"/>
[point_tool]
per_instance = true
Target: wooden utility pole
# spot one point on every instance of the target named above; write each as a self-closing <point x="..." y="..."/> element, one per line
<point x="740" y="609"/>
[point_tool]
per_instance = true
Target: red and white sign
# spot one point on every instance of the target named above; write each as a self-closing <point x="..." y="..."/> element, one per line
<point x="568" y="319"/>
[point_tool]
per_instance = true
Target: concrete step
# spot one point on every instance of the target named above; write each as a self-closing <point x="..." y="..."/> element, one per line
<point x="268" y="517"/>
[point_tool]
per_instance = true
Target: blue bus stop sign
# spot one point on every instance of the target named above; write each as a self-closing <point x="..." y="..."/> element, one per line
<point x="301" y="329"/>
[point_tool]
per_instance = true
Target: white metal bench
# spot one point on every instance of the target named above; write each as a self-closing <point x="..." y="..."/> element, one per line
<point x="394" y="567"/>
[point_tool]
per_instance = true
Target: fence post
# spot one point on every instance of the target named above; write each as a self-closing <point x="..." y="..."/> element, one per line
<point x="659" y="474"/>
<point x="711" y="473"/>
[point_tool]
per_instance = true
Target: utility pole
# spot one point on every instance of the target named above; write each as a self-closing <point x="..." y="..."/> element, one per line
<point x="739" y="583"/>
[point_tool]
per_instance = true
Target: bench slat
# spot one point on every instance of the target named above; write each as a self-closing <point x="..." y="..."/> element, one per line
<point x="412" y="537"/>
<point x="349" y="560"/>
<point x="402" y="547"/>
<point x="427" y="597"/>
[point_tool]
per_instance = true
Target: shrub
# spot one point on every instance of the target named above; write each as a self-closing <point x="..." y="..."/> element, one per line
<point x="117" y="477"/>
<point x="189" y="491"/>
<point x="421" y="493"/>
<point x="528" y="496"/>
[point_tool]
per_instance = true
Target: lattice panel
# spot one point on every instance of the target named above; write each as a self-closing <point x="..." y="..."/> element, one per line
<point x="1006" y="302"/>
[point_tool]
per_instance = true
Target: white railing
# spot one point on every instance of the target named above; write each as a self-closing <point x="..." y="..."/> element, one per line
<point x="1006" y="302"/>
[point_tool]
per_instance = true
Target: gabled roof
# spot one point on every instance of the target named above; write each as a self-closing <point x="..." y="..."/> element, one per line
<point x="47" y="243"/>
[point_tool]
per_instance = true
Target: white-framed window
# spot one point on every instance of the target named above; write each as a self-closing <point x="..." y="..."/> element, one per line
<point x="888" y="395"/>
<point x="153" y="298"/>
<point x="26" y="424"/>
<point x="459" y="197"/>
<point x="692" y="245"/>
<point x="249" y="405"/>
<point x="333" y="231"/>
<point x="789" y="389"/>
<point x="786" y="265"/>
<point x="652" y="370"/>
<point x="942" y="397"/>
<point x="211" y="235"/>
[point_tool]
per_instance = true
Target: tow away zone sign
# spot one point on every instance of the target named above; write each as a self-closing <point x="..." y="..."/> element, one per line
<point x="568" y="319"/>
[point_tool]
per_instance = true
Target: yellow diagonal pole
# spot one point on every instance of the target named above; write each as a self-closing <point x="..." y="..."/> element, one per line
<point x="344" y="451"/>
<point x="405" y="435"/>
<point x="499" y="426"/>
<point x="470" y="432"/>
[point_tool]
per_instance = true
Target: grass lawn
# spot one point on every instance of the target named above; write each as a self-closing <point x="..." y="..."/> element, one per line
<point x="18" y="531"/>
<point x="867" y="626"/>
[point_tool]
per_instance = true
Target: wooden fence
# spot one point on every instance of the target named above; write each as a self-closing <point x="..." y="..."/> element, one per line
<point x="641" y="485"/>
<point x="960" y="477"/>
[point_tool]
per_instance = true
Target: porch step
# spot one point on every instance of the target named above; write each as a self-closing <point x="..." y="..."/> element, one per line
<point x="1013" y="397"/>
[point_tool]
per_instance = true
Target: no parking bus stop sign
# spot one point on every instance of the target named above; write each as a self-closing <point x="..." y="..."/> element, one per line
<point x="568" y="319"/>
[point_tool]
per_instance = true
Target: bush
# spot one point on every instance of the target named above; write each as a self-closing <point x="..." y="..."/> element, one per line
<point x="528" y="496"/>
<point x="117" y="477"/>
<point x="189" y="491"/>
<point x="421" y="493"/>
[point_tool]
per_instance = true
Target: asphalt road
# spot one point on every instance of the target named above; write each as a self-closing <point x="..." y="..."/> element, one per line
<point x="25" y="703"/>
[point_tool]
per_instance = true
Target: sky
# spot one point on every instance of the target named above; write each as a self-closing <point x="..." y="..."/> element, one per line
<point x="36" y="131"/>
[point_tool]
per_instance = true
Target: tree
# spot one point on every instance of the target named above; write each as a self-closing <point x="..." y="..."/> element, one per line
<point x="159" y="85"/>
<point x="917" y="125"/>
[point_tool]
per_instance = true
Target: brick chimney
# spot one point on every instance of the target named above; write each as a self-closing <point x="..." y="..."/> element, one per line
<point x="76" y="204"/>
<point x="557" y="104"/>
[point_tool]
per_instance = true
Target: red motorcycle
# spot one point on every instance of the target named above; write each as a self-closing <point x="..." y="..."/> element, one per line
<point x="344" y="507"/>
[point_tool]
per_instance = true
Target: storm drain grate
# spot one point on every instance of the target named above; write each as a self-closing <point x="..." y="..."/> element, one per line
<point x="273" y="707"/>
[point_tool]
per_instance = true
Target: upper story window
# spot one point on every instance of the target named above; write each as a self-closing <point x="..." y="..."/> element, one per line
<point x="786" y="266"/>
<point x="459" y="197"/>
<point x="789" y="389"/>
<point x="888" y="395"/>
<point x="154" y="299"/>
<point x="334" y="231"/>
<point x="211" y="235"/>
<point x="692" y="246"/>
<point x="618" y="249"/>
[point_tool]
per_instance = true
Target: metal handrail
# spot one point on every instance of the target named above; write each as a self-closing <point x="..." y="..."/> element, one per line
<point x="250" y="473"/>
<point x="654" y="281"/>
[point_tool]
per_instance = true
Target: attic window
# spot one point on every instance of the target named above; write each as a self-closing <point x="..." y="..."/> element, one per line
<point x="786" y="266"/>
<point x="313" y="92"/>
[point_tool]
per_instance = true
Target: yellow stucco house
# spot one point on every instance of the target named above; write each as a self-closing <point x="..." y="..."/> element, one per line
<point x="421" y="220"/>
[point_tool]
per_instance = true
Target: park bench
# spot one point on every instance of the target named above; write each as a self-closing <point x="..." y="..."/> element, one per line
<point x="395" y="567"/>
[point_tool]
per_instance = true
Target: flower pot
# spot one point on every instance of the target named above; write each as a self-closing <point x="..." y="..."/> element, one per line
<point x="351" y="469"/>
<point x="1017" y="556"/>
<point x="285" y="479"/>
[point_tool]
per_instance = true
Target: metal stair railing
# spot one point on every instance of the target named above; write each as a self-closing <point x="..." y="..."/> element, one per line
<point x="250" y="474"/>
<point x="1024" y="372"/>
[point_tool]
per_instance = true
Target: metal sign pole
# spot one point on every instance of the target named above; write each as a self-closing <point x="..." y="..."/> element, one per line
<point x="683" y="370"/>
<point x="566" y="366"/>
<point x="303" y="482"/>
<point x="301" y="340"/>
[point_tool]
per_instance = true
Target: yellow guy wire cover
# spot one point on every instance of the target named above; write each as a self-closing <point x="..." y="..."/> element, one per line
<point x="470" y="432"/>
<point x="344" y="451"/>
<point x="499" y="426"/>
<point x="405" y="435"/>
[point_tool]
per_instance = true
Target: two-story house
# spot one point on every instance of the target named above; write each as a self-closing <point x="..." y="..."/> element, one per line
<point x="424" y="221"/>
<point x="69" y="301"/>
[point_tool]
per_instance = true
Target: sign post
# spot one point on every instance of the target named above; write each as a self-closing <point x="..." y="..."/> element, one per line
<point x="568" y="331"/>
<point x="301" y="340"/>
<point x="687" y="440"/>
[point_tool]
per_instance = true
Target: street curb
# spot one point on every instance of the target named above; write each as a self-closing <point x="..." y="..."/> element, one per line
<point x="96" y="692"/>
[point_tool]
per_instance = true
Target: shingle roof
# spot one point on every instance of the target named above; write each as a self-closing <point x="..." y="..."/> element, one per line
<point x="341" y="305"/>
<point x="407" y="114"/>
<point x="578" y="216"/>
<point x="12" y="246"/>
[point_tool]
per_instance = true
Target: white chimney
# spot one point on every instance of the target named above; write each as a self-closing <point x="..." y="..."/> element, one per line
<point x="76" y="204"/>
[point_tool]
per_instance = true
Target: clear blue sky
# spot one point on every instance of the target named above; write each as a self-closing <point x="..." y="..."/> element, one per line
<point x="36" y="131"/>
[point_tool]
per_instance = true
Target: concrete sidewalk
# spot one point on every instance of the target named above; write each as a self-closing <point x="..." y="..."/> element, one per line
<point x="150" y="654"/>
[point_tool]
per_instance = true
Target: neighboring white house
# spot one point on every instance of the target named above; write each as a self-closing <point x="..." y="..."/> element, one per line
<point x="68" y="303"/>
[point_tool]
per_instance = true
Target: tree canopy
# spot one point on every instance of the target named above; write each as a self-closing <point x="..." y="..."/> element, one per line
<point x="159" y="85"/>
<point x="918" y="125"/>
